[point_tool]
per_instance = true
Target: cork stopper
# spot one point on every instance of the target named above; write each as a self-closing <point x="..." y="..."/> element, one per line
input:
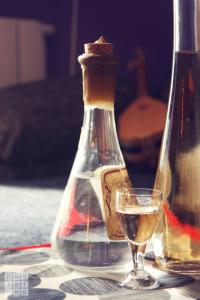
<point x="98" y="68"/>
<point x="99" y="47"/>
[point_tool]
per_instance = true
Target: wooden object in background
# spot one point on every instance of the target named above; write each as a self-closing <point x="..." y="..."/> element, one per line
<point x="141" y="124"/>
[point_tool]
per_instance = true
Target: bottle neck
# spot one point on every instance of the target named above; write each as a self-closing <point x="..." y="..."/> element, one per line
<point x="186" y="25"/>
<point x="99" y="136"/>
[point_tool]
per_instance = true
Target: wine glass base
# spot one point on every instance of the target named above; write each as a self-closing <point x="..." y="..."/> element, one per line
<point x="139" y="280"/>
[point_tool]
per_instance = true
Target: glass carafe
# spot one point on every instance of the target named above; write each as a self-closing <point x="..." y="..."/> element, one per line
<point x="177" y="239"/>
<point x="85" y="223"/>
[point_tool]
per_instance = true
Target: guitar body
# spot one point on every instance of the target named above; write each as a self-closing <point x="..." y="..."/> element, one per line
<point x="140" y="131"/>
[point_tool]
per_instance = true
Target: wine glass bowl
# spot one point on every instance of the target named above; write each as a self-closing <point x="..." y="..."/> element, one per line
<point x="138" y="211"/>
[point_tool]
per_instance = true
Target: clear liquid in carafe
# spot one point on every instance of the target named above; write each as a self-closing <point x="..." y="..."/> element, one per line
<point x="82" y="238"/>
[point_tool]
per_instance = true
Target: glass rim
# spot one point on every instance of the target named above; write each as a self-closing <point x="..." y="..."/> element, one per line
<point x="135" y="191"/>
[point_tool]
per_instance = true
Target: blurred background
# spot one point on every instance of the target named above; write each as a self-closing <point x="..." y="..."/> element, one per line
<point x="41" y="106"/>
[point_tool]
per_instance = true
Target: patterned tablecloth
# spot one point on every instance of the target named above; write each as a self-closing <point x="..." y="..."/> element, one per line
<point x="39" y="274"/>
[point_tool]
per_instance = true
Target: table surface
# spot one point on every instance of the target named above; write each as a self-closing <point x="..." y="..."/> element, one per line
<point x="40" y="274"/>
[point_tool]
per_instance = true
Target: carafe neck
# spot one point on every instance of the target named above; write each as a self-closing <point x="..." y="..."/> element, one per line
<point x="99" y="136"/>
<point x="99" y="144"/>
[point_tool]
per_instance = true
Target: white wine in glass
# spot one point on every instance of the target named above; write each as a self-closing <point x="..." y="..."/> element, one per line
<point x="139" y="213"/>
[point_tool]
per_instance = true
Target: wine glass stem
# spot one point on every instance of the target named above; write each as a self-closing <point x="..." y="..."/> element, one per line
<point x="138" y="257"/>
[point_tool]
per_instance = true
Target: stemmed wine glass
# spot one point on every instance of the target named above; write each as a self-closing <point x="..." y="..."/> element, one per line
<point x="139" y="212"/>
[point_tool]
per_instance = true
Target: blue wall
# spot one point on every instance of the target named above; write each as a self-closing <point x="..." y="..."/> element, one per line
<point x="128" y="24"/>
<point x="131" y="23"/>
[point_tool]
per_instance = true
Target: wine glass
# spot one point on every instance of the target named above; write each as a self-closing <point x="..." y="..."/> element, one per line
<point x="139" y="212"/>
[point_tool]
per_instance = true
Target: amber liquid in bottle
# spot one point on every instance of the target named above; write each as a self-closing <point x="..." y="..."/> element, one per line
<point x="178" y="174"/>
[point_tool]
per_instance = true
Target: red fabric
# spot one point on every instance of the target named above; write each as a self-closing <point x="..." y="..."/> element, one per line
<point x="27" y="247"/>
